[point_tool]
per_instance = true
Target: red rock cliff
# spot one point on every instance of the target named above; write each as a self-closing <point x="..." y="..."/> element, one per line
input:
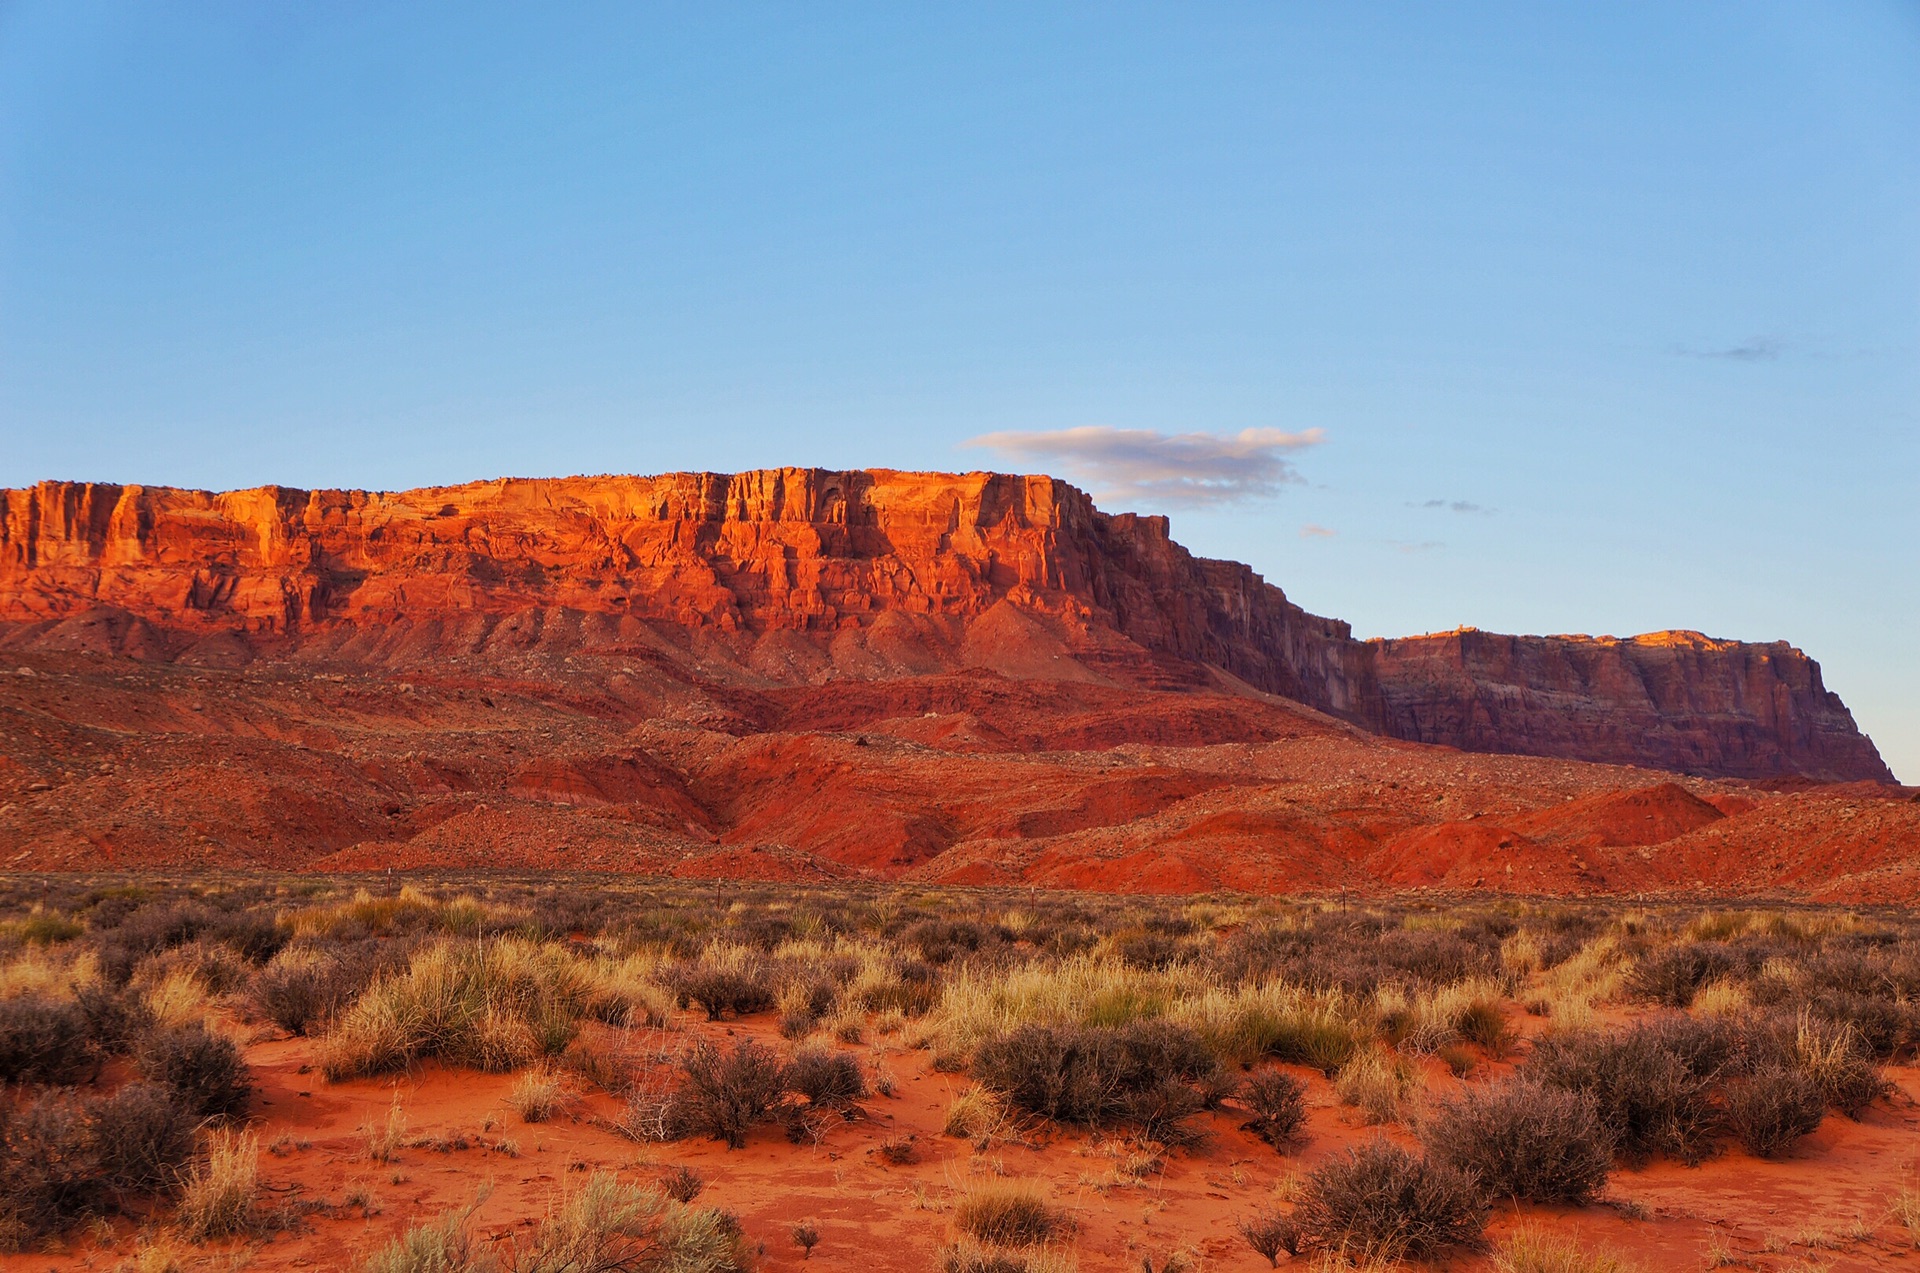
<point x="919" y="570"/>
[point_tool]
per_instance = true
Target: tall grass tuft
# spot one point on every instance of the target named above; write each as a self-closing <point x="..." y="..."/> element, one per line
<point x="491" y="1005"/>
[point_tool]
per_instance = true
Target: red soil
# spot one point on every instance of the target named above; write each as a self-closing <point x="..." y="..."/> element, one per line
<point x="1834" y="1190"/>
<point x="604" y="763"/>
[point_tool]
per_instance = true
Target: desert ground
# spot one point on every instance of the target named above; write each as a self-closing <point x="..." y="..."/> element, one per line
<point x="594" y="1072"/>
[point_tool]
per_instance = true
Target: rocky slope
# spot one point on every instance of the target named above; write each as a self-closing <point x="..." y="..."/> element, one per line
<point x="795" y="577"/>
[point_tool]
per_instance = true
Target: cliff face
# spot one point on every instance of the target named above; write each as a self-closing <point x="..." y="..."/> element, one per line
<point x="821" y="573"/>
<point x="1672" y="700"/>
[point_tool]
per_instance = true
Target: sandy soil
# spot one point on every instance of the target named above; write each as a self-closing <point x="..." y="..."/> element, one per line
<point x="1826" y="1207"/>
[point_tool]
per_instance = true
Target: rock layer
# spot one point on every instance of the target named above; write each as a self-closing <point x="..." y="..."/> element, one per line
<point x="797" y="576"/>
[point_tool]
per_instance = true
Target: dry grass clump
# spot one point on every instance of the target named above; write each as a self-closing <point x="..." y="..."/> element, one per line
<point x="408" y="911"/>
<point x="976" y="1115"/>
<point x="1009" y="1214"/>
<point x="971" y="1257"/>
<point x="611" y="1226"/>
<point x="445" y="1245"/>
<point x="1836" y="1059"/>
<point x="1377" y="1202"/>
<point x="538" y="1094"/>
<point x="604" y="1226"/>
<point x="221" y="1194"/>
<point x="1533" y="1250"/>
<point x="1377" y="1083"/>
<point x="493" y="1005"/>
<point x="47" y="973"/>
<point x="1521" y="1140"/>
<point x="1271" y="1020"/>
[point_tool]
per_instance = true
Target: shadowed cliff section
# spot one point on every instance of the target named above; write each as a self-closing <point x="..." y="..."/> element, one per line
<point x="806" y="576"/>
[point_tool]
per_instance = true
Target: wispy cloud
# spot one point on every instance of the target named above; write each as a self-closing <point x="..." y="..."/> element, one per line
<point x="1424" y="546"/>
<point x="1311" y="531"/>
<point x="1453" y="506"/>
<point x="1146" y="466"/>
<point x="1759" y="349"/>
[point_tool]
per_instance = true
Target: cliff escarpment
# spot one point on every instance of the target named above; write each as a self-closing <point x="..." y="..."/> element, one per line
<point x="805" y="576"/>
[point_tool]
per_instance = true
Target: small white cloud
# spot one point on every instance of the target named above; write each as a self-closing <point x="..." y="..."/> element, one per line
<point x="1311" y="531"/>
<point x="1146" y="466"/>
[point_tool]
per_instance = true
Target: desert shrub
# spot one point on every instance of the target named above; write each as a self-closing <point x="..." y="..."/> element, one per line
<point x="1008" y="1213"/>
<point x="828" y="1079"/>
<point x="445" y="1245"/>
<point x="152" y="928"/>
<point x="219" y="1198"/>
<point x="1143" y="1073"/>
<point x="682" y="1184"/>
<point x="1673" y="976"/>
<point x="725" y="1094"/>
<point x="1148" y="950"/>
<point x="142" y="1135"/>
<point x="1649" y="1094"/>
<point x="253" y="936"/>
<point x="45" y="1041"/>
<point x="1269" y="1233"/>
<point x="1772" y="1108"/>
<point x="1886" y="1026"/>
<point x="1277" y="1102"/>
<point x="204" y="1068"/>
<point x="1380" y="1202"/>
<point x="299" y="993"/>
<point x="1522" y="1140"/>
<point x="741" y="987"/>
<point x="49" y="1172"/>
<point x="609" y="1226"/>
<point x="493" y="1005"/>
<point x="115" y="1018"/>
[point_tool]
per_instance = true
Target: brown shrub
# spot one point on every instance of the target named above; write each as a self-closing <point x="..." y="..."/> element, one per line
<point x="1522" y="1140"/>
<point x="1772" y="1108"/>
<point x="1278" y="1103"/>
<point x="1379" y="1202"/>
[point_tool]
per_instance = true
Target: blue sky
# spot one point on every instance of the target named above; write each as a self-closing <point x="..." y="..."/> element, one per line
<point x="1607" y="315"/>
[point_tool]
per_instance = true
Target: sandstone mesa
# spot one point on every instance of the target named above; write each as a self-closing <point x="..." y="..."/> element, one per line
<point x="799" y="673"/>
